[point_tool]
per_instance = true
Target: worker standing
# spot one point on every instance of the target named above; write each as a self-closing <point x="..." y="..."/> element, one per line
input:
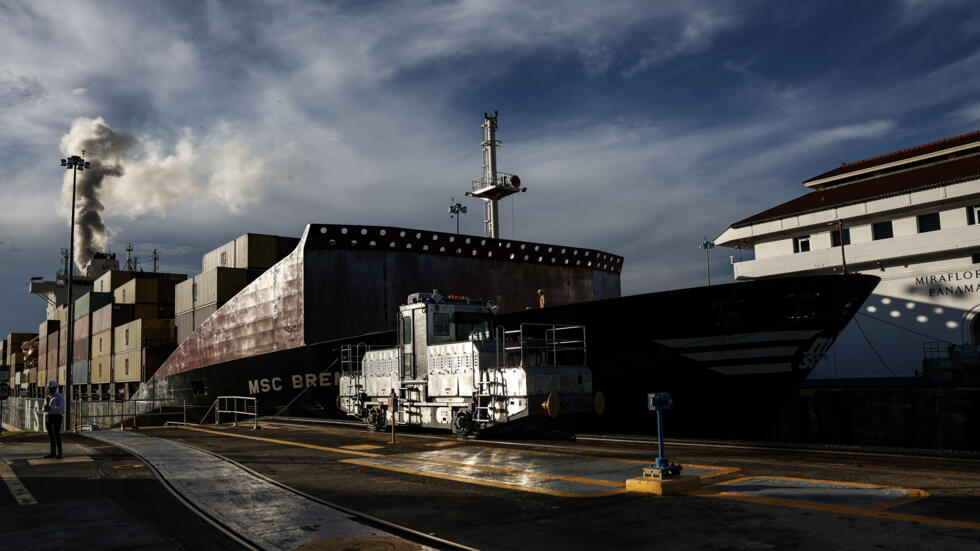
<point x="540" y="298"/>
<point x="54" y="407"/>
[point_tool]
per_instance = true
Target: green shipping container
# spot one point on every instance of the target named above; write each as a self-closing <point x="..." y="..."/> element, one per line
<point x="91" y="302"/>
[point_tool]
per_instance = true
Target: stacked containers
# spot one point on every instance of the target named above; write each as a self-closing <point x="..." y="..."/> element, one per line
<point x="82" y="333"/>
<point x="15" y="354"/>
<point x="184" y="308"/>
<point x="214" y="288"/>
<point x="103" y="321"/>
<point x="61" y="360"/>
<point x="140" y="346"/>
<point x="152" y="298"/>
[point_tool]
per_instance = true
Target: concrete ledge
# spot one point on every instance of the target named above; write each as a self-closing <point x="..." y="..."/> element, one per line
<point x="661" y="487"/>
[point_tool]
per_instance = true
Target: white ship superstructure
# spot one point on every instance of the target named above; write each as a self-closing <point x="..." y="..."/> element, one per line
<point x="911" y="218"/>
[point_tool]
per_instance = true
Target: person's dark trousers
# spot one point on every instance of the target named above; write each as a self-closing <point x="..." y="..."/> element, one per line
<point x="53" y="425"/>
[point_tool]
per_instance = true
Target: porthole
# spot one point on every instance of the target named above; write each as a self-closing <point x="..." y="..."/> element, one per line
<point x="408" y="245"/>
<point x="435" y="237"/>
<point x="483" y="241"/>
<point x="343" y="231"/>
<point x="467" y="241"/>
<point x="363" y="231"/>
<point x="392" y="244"/>
<point x="442" y="249"/>
<point x="353" y="242"/>
<point x="323" y="230"/>
<point x="425" y="247"/>
<point x="401" y="233"/>
<point x="373" y="243"/>
<point x="452" y="238"/>
<point x="382" y="233"/>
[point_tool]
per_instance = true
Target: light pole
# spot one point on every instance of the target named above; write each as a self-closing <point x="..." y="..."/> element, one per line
<point x="75" y="164"/>
<point x="455" y="209"/>
<point x="707" y="246"/>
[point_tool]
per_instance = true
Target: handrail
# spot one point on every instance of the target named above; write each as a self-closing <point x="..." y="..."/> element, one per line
<point x="235" y="401"/>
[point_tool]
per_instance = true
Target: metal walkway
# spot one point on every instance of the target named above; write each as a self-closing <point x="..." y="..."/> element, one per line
<point x="258" y="511"/>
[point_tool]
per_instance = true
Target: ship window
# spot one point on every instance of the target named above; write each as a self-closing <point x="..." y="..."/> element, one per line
<point x="881" y="230"/>
<point x="801" y="244"/>
<point x="928" y="222"/>
<point x="835" y="237"/>
<point x="406" y="330"/>
<point x="440" y="325"/>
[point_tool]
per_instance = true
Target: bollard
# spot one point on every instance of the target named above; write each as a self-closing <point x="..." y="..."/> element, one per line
<point x="185" y="412"/>
<point x="393" y="405"/>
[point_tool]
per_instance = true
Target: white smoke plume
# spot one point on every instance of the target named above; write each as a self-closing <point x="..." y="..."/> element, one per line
<point x="132" y="176"/>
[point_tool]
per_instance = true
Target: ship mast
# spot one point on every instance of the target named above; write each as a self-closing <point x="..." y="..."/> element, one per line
<point x="493" y="186"/>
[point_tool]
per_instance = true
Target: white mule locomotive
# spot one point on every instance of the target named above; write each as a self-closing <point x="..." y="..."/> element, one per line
<point x="454" y="369"/>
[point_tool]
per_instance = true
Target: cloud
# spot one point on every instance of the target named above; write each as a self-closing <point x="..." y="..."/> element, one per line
<point x="970" y="113"/>
<point x="19" y="89"/>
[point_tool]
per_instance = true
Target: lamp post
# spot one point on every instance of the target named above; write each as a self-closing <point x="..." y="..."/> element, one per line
<point x="455" y="209"/>
<point x="840" y="235"/>
<point x="75" y="164"/>
<point x="707" y="246"/>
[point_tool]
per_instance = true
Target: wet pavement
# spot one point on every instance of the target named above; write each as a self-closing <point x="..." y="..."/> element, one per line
<point x="538" y="494"/>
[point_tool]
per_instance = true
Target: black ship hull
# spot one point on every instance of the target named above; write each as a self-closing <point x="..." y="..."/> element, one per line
<point x="729" y="354"/>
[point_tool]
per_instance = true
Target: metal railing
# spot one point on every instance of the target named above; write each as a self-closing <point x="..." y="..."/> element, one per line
<point x="237" y="405"/>
<point x="543" y="344"/>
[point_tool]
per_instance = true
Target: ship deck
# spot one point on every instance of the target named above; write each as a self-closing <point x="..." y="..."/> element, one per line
<point x="525" y="492"/>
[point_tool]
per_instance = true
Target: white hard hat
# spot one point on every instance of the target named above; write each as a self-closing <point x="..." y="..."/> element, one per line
<point x="52" y="384"/>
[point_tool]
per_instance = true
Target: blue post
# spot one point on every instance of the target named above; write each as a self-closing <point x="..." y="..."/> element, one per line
<point x="662" y="462"/>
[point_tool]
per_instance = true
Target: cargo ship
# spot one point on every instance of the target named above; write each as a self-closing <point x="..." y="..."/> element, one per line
<point x="268" y="316"/>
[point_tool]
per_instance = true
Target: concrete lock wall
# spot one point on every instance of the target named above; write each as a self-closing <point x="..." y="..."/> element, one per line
<point x="25" y="413"/>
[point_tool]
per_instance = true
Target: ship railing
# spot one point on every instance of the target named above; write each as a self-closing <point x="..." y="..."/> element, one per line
<point x="247" y="406"/>
<point x="543" y="344"/>
<point x="501" y="179"/>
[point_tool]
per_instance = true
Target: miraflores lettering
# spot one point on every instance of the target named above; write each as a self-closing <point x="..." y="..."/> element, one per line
<point x="297" y="380"/>
<point x="949" y="277"/>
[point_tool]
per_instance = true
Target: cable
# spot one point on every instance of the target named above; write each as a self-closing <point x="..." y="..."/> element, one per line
<point x="882" y="360"/>
<point x="886" y="322"/>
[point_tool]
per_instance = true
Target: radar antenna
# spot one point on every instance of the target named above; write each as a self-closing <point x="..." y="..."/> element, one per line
<point x="156" y="258"/>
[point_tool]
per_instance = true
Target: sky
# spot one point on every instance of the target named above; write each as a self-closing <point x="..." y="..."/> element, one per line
<point x="639" y="128"/>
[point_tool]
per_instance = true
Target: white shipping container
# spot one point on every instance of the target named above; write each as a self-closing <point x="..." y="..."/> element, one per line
<point x="219" y="285"/>
<point x="222" y="257"/>
<point x="184" y="295"/>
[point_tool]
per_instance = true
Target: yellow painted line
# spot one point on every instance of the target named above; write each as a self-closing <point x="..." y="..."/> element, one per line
<point x="52" y="461"/>
<point x="561" y="454"/>
<point x="136" y="466"/>
<point x="720" y="472"/>
<point x="16" y="487"/>
<point x="443" y="444"/>
<point x="362" y="447"/>
<point x="480" y="482"/>
<point x="283" y="442"/>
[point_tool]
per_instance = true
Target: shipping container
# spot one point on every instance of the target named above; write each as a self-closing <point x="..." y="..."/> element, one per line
<point x="80" y="351"/>
<point x="42" y="360"/>
<point x="33" y="375"/>
<point x="166" y="290"/>
<point x="138" y="290"/>
<point x="61" y="375"/>
<point x="52" y="358"/>
<point x="219" y="285"/>
<point x="284" y="246"/>
<point x="47" y="327"/>
<point x="82" y="328"/>
<point x="222" y="257"/>
<point x="136" y="365"/>
<point x="79" y="373"/>
<point x="42" y="345"/>
<point x="90" y="302"/>
<point x="153" y="311"/>
<point x="185" y="325"/>
<point x="184" y="296"/>
<point x="102" y="343"/>
<point x="61" y="314"/>
<point x="62" y="354"/>
<point x="109" y="281"/>
<point x="111" y="315"/>
<point x="254" y="250"/>
<point x="140" y="332"/>
<point x="203" y="313"/>
<point x="101" y="371"/>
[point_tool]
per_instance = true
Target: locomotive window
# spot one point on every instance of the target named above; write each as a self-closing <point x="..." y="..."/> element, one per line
<point x="440" y="325"/>
<point x="406" y="330"/>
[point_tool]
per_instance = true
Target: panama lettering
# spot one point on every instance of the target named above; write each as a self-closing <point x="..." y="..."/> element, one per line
<point x="937" y="290"/>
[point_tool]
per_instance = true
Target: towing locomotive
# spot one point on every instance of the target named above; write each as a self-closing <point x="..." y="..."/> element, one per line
<point x="454" y="368"/>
